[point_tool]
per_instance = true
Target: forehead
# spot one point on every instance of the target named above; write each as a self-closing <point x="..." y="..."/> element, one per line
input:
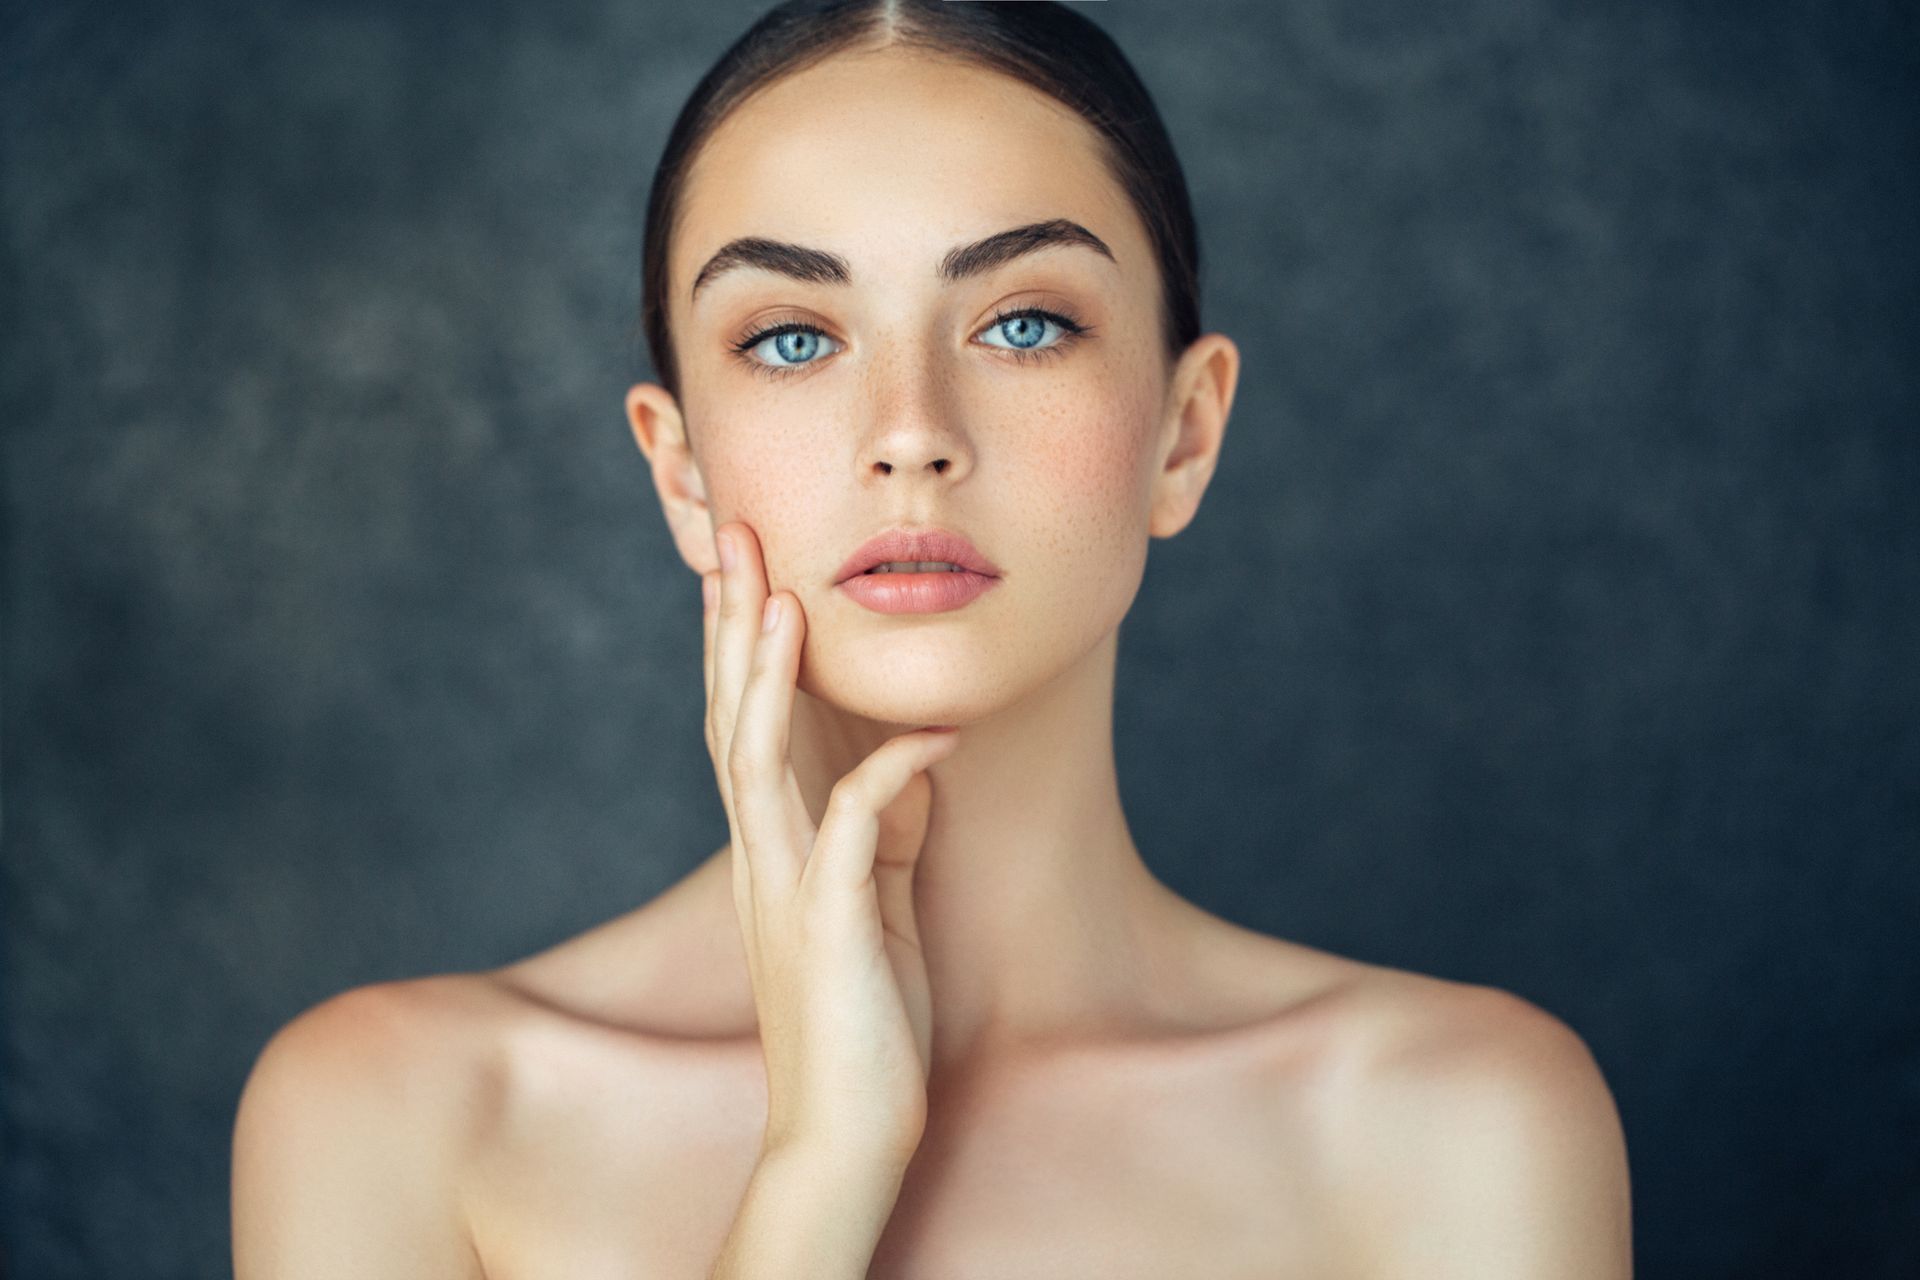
<point x="890" y="158"/>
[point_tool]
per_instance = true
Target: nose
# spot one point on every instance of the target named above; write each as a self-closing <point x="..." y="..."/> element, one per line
<point x="916" y="428"/>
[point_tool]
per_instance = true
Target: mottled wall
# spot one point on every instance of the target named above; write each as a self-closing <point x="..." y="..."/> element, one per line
<point x="1571" y="482"/>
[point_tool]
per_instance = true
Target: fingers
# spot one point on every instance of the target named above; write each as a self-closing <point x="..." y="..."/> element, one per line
<point x="766" y="793"/>
<point x="749" y="711"/>
<point x="765" y="717"/>
<point x="849" y="837"/>
<point x="720" y="642"/>
<point x="742" y="592"/>
<point x="709" y="625"/>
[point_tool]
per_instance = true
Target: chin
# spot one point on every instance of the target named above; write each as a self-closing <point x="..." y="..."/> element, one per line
<point x="911" y="690"/>
<point x="942" y="673"/>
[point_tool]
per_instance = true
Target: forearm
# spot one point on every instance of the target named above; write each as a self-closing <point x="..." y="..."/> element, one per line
<point x="808" y="1215"/>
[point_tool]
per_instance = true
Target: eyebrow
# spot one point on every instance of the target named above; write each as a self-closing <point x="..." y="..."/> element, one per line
<point x="816" y="266"/>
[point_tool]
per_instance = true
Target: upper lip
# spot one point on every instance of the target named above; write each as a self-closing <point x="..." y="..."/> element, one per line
<point x="916" y="545"/>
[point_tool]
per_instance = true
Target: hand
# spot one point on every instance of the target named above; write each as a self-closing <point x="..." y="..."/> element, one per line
<point x="839" y="980"/>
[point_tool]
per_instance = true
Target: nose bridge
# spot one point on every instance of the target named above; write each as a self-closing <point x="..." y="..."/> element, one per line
<point x="914" y="424"/>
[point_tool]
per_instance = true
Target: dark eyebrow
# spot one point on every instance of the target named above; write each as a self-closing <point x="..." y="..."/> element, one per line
<point x="816" y="266"/>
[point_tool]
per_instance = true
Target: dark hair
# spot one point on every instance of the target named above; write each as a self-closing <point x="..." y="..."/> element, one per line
<point x="1045" y="44"/>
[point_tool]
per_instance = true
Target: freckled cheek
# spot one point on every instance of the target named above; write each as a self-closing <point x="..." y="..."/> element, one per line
<point x="1088" y="501"/>
<point x="1094" y="463"/>
<point x="775" y="487"/>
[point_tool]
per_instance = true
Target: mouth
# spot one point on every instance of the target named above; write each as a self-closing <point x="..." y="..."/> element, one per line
<point x="916" y="553"/>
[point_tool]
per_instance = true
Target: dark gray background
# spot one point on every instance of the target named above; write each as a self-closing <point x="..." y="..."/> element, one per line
<point x="1550" y="623"/>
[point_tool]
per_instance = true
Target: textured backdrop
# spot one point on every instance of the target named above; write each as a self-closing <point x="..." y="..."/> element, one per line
<point x="1571" y="481"/>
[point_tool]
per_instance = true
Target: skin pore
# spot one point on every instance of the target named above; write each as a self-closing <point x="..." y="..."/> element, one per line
<point x="1038" y="917"/>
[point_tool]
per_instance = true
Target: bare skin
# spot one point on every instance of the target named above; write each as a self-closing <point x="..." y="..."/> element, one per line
<point x="1142" y="1152"/>
<point x="1122" y="1084"/>
<point x="590" y="1128"/>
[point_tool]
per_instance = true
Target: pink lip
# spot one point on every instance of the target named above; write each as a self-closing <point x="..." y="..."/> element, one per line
<point x="934" y="592"/>
<point x="917" y="545"/>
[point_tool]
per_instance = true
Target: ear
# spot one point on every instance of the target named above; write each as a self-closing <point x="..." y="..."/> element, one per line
<point x="1199" y="397"/>
<point x="661" y="432"/>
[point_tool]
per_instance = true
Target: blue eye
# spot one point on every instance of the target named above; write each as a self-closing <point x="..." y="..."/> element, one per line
<point x="1025" y="329"/>
<point x="797" y="343"/>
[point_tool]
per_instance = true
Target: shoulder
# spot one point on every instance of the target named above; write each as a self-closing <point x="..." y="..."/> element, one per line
<point x="352" y="1131"/>
<point x="1470" y="1132"/>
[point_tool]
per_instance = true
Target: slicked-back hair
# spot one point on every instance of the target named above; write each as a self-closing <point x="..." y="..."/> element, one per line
<point x="1044" y="44"/>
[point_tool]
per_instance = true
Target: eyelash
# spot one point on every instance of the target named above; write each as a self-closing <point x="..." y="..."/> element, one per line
<point x="1072" y="331"/>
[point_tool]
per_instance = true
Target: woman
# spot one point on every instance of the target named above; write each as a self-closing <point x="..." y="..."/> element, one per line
<point x="921" y="287"/>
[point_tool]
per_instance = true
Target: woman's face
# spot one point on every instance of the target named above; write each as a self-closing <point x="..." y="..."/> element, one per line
<point x="1051" y="442"/>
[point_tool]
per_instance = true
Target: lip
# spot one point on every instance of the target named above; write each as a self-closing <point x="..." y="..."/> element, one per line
<point x="935" y="592"/>
<point x="917" y="545"/>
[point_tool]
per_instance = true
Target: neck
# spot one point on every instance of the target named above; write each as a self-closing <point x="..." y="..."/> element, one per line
<point x="1037" y="916"/>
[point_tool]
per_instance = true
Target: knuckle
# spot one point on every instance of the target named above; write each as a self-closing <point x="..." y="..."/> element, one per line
<point x="846" y="798"/>
<point x="742" y="765"/>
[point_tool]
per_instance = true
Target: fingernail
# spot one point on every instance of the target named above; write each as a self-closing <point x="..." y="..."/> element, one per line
<point x="770" y="614"/>
<point x="709" y="586"/>
<point x="727" y="553"/>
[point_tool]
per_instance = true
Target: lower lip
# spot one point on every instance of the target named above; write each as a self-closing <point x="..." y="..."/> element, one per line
<point x="916" y="592"/>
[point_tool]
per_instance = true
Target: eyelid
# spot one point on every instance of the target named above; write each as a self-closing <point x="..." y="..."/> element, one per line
<point x="763" y="332"/>
<point x="1070" y="327"/>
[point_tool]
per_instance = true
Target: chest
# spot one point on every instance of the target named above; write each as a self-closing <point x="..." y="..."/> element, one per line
<point x="619" y="1174"/>
<point x="1116" y="1194"/>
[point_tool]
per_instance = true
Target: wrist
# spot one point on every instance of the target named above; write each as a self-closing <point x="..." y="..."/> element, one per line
<point x="811" y="1206"/>
<point x="863" y="1161"/>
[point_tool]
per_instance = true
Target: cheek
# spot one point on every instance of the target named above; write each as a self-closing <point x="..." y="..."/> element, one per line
<point x="1093" y="469"/>
<point x="773" y="478"/>
<point x="1086" y="491"/>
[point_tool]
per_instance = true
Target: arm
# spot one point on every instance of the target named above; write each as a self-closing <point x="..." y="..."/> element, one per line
<point x="810" y="1213"/>
<point x="343" y="1163"/>
<point x="1488" y="1146"/>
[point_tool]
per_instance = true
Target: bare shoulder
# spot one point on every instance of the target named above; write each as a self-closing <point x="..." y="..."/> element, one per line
<point x="352" y="1130"/>
<point x="1468" y="1132"/>
<point x="426" y="1041"/>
